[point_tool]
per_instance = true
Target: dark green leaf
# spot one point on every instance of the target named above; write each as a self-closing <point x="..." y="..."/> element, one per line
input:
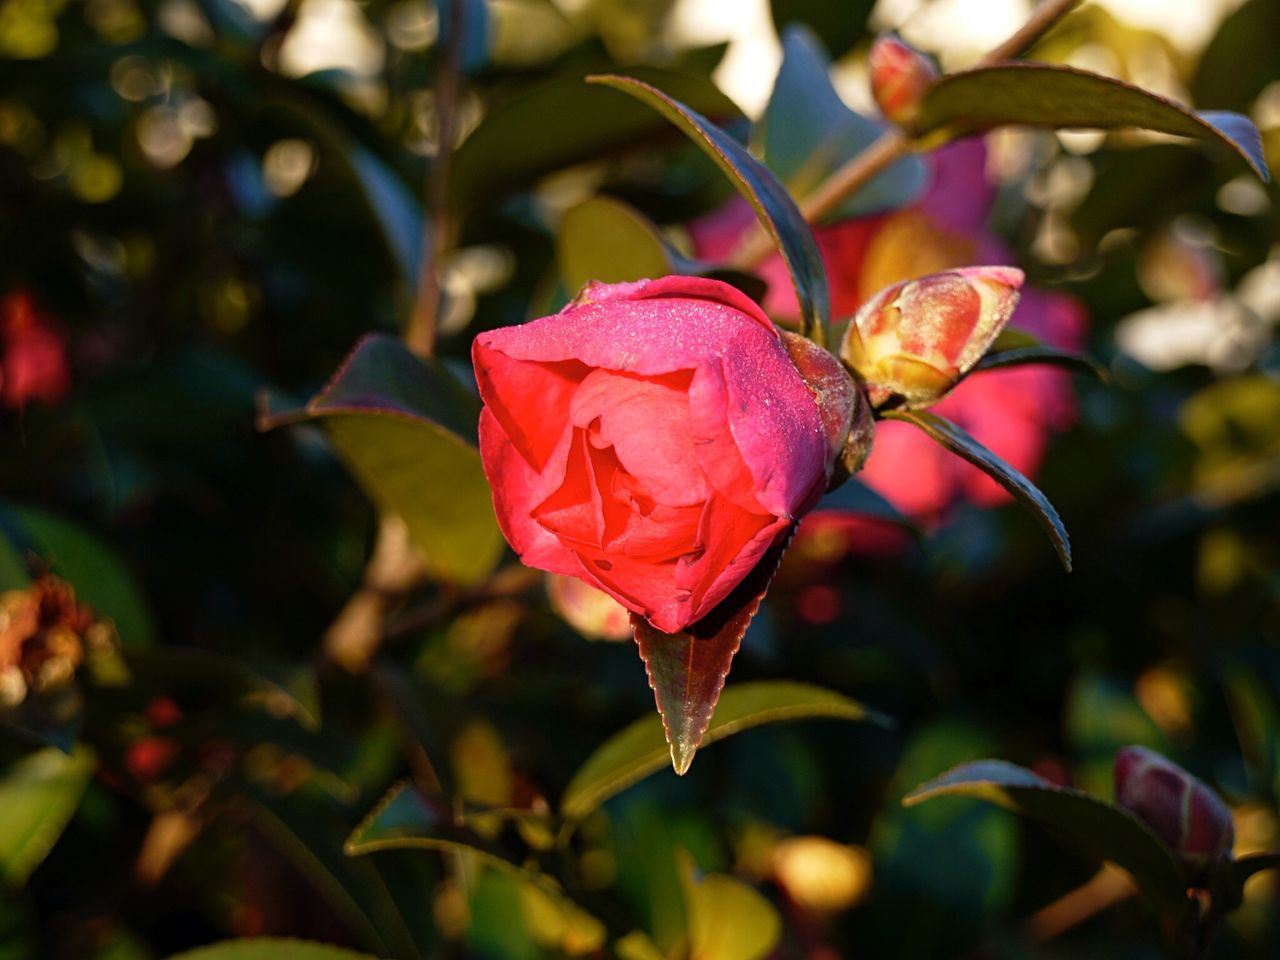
<point x="397" y="210"/>
<point x="100" y="578"/>
<point x="641" y="749"/>
<point x="560" y="124"/>
<point x="1041" y="355"/>
<point x="1080" y="820"/>
<point x="270" y="948"/>
<point x="808" y="132"/>
<point x="839" y="25"/>
<point x="1247" y="866"/>
<point x="38" y="794"/>
<point x="1045" y="95"/>
<point x="854" y="496"/>
<point x="406" y="429"/>
<point x="1242" y="58"/>
<point x="773" y="205"/>
<point x="1024" y="491"/>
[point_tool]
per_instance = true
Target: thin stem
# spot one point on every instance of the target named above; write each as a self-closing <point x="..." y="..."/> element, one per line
<point x="1040" y="22"/>
<point x="438" y="227"/>
<point x="1108" y="886"/>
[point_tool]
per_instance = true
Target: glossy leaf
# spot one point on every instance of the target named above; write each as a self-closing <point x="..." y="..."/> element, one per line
<point x="270" y="948"/>
<point x="38" y="794"/>
<point x="606" y="240"/>
<point x="773" y="205"/>
<point x="808" y="132"/>
<point x="856" y="497"/>
<point x="404" y="821"/>
<point x="1080" y="820"/>
<point x="1040" y="355"/>
<point x="1047" y="95"/>
<point x="406" y="429"/>
<point x="1024" y="491"/>
<point x="561" y="124"/>
<point x="728" y="920"/>
<point x="641" y="749"/>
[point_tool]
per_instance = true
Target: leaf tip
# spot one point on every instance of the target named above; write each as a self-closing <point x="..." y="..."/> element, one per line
<point x="682" y="751"/>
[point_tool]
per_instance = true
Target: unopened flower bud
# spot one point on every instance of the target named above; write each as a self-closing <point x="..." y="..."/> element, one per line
<point x="1180" y="809"/>
<point x="900" y="77"/>
<point x="913" y="341"/>
<point x="593" y="613"/>
<point x="842" y="406"/>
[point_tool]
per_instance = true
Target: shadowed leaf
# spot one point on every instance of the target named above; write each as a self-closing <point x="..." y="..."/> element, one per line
<point x="1024" y="491"/>
<point x="641" y="748"/>
<point x="406" y="429"/>
<point x="854" y="496"/>
<point x="1080" y="820"/>
<point x="270" y="948"/>
<point x="1047" y="95"/>
<point x="773" y="205"/>
<point x="1040" y="355"/>
<point x="38" y="794"/>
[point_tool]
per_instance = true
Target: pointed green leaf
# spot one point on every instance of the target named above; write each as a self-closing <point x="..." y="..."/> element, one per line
<point x="605" y="239"/>
<point x="774" y="207"/>
<point x="641" y="749"/>
<point x="1080" y="820"/>
<point x="270" y="948"/>
<point x="1024" y="491"/>
<point x="1041" y="355"/>
<point x="808" y="132"/>
<point x="406" y="429"/>
<point x="561" y="124"/>
<point x="1049" y="95"/>
<point x="38" y="794"/>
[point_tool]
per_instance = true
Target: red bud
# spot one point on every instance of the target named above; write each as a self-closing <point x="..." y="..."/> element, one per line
<point x="1180" y="809"/>
<point x="900" y="77"/>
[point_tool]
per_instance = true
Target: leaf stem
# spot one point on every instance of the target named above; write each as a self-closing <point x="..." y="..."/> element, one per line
<point x="1040" y="22"/>
<point x="1107" y="887"/>
<point x="438" y="226"/>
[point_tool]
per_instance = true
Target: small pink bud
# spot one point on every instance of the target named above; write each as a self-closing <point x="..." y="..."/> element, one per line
<point x="1180" y="809"/>
<point x="900" y="77"/>
<point x="915" y="340"/>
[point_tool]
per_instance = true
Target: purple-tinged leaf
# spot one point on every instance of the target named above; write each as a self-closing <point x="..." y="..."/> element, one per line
<point x="1080" y="820"/>
<point x="774" y="207"/>
<point x="1058" y="97"/>
<point x="687" y="669"/>
<point x="1024" y="491"/>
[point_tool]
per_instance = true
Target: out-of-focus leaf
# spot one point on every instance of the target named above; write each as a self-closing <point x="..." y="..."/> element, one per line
<point x="637" y="945"/>
<point x="99" y="576"/>
<point x="13" y="569"/>
<point x="1080" y="820"/>
<point x="560" y="124"/>
<point x="770" y="200"/>
<point x="1023" y="490"/>
<point x="397" y="210"/>
<point x="605" y="239"/>
<point x="640" y="749"/>
<point x="808" y="132"/>
<point x="1242" y="58"/>
<point x="38" y="796"/>
<point x="54" y="717"/>
<point x="1047" y="95"/>
<point x="728" y="920"/>
<point x="168" y="669"/>
<point x="1247" y="866"/>
<point x="406" y="429"/>
<point x="1041" y="355"/>
<point x="404" y="821"/>
<point x="839" y="25"/>
<point x="477" y="35"/>
<point x="687" y="670"/>
<point x="854" y="496"/>
<point x="270" y="948"/>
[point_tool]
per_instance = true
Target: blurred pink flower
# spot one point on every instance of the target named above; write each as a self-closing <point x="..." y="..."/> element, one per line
<point x="1010" y="411"/>
<point x="33" y="354"/>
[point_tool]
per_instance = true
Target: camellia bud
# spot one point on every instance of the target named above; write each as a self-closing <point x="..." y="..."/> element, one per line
<point x="900" y="77"/>
<point x="1180" y="809"/>
<point x="913" y="341"/>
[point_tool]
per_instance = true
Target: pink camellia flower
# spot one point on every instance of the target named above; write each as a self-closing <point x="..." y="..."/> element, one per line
<point x="1180" y="809"/>
<point x="915" y="339"/>
<point x="654" y="439"/>
<point x="33" y="354"/>
<point x="900" y="77"/>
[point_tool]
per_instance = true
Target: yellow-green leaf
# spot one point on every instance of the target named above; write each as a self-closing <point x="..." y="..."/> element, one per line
<point x="38" y="796"/>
